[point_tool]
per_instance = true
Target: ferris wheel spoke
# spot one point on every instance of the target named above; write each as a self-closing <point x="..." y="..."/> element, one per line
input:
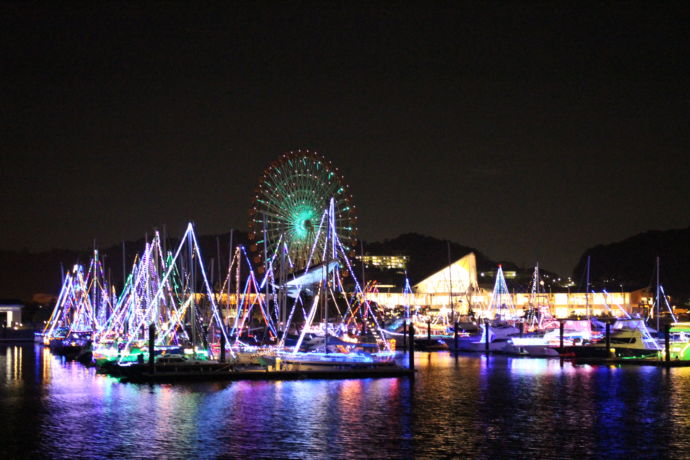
<point x="289" y="206"/>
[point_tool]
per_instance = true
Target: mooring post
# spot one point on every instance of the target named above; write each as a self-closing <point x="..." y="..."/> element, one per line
<point x="667" y="341"/>
<point x="608" y="339"/>
<point x="404" y="343"/>
<point x="222" y="347"/>
<point x="411" y="350"/>
<point x="428" y="330"/>
<point x="152" y="351"/>
<point x="204" y="337"/>
<point x="455" y="336"/>
<point x="487" y="336"/>
<point x="522" y="328"/>
<point x="561" y="327"/>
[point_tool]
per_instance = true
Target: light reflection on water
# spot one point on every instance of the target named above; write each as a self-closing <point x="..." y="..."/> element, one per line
<point x="472" y="406"/>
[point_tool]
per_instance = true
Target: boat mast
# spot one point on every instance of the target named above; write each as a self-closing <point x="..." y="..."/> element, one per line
<point x="658" y="303"/>
<point x="282" y="299"/>
<point x="230" y="258"/>
<point x="534" y="297"/>
<point x="324" y="294"/>
<point x="450" y="286"/>
<point x="190" y="242"/>
<point x="220" y="279"/>
<point x="330" y="238"/>
<point x="361" y="251"/>
<point x="124" y="269"/>
<point x="266" y="270"/>
<point x="95" y="285"/>
<point x="587" y="290"/>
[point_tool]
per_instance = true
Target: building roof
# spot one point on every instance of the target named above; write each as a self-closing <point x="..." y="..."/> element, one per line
<point x="458" y="277"/>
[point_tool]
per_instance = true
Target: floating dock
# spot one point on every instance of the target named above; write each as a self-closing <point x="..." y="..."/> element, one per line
<point x="265" y="374"/>
<point x="630" y="361"/>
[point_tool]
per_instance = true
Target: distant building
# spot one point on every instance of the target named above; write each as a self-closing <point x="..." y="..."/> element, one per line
<point x="10" y="313"/>
<point x="459" y="277"/>
<point x="456" y="281"/>
<point x="457" y="285"/>
<point x="508" y="274"/>
<point x="385" y="262"/>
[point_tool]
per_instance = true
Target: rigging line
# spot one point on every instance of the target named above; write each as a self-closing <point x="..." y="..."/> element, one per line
<point x="214" y="307"/>
<point x="167" y="273"/>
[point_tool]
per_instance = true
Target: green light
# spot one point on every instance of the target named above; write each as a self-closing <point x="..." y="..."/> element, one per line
<point x="302" y="222"/>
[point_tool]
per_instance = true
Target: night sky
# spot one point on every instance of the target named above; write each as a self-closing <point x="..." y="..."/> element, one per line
<point x="530" y="131"/>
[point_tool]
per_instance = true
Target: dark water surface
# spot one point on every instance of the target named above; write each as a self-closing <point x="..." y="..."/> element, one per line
<point x="470" y="407"/>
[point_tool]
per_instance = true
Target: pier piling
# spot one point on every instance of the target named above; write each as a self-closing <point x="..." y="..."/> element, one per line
<point x="152" y="351"/>
<point x="411" y="350"/>
<point x="667" y="342"/>
<point x="404" y="344"/>
<point x="222" y="347"/>
<point x="428" y="330"/>
<point x="560" y="349"/>
<point x="487" y="336"/>
<point x="455" y="336"/>
<point x="608" y="339"/>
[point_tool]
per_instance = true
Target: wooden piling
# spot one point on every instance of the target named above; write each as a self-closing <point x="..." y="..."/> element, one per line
<point x="222" y="347"/>
<point x="428" y="330"/>
<point x="608" y="339"/>
<point x="411" y="350"/>
<point x="152" y="351"/>
<point x="404" y="344"/>
<point x="455" y="336"/>
<point x="560" y="350"/>
<point x="487" y="336"/>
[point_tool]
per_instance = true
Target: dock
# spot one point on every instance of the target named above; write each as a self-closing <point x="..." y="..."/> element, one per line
<point x="264" y="374"/>
<point x="631" y="362"/>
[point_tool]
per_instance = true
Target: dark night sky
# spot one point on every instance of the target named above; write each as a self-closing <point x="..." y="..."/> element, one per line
<point x="530" y="131"/>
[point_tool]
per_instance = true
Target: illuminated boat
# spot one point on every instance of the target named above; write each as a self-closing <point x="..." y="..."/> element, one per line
<point x="71" y="345"/>
<point x="679" y="341"/>
<point x="623" y="344"/>
<point x="331" y="361"/>
<point x="430" y="336"/>
<point x="118" y="351"/>
<point x="629" y="338"/>
<point x="498" y="336"/>
<point x="433" y="344"/>
<point x="169" y="367"/>
<point x="574" y="332"/>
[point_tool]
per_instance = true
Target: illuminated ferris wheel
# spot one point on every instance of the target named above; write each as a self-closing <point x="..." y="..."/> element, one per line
<point x="289" y="204"/>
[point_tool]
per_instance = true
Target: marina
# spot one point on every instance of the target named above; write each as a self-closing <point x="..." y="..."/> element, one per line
<point x="344" y="230"/>
<point x="301" y="310"/>
<point x="471" y="405"/>
<point x="293" y="304"/>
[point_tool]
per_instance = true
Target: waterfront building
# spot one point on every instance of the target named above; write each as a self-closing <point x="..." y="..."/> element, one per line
<point x="456" y="287"/>
<point x="385" y="262"/>
<point x="10" y="314"/>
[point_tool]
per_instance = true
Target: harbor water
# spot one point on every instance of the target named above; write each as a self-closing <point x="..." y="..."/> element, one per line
<point x="469" y="406"/>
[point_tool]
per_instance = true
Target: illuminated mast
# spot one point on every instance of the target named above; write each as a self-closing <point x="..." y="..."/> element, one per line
<point x="450" y="287"/>
<point x="658" y="303"/>
<point x="587" y="290"/>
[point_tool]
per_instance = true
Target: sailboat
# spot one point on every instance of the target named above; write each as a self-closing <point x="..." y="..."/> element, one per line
<point x="337" y="344"/>
<point x="499" y="319"/>
<point x="629" y="338"/>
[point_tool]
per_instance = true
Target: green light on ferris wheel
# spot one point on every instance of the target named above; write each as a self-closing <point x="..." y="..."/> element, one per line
<point x="302" y="222"/>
